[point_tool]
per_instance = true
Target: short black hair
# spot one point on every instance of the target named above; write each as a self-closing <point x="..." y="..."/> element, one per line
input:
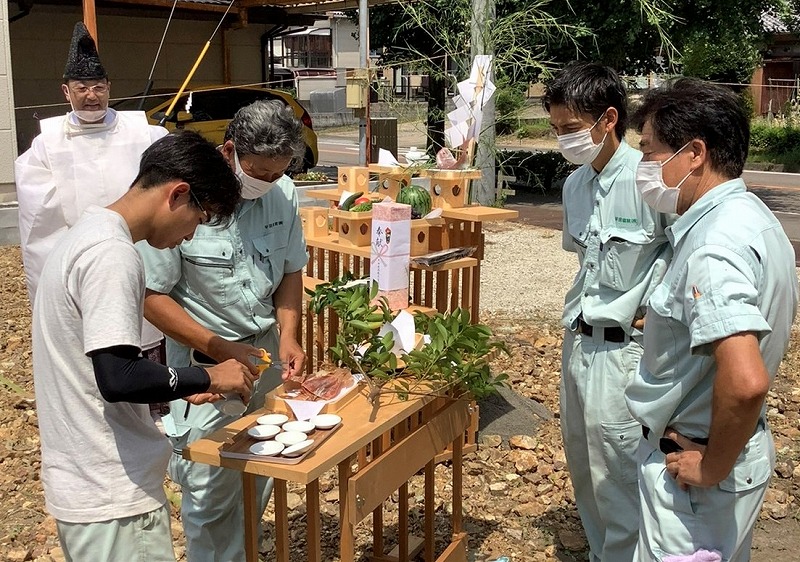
<point x="689" y="108"/>
<point x="589" y="87"/>
<point x="188" y="157"/>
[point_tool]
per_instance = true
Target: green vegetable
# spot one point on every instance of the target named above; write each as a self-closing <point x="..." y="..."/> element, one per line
<point x="345" y="206"/>
<point x="363" y="207"/>
<point x="419" y="199"/>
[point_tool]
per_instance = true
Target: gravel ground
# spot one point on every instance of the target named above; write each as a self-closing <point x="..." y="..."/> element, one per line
<point x="518" y="500"/>
<point x="525" y="272"/>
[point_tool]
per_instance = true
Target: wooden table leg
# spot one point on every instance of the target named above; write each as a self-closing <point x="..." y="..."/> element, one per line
<point x="314" y="529"/>
<point x="403" y="534"/>
<point x="281" y="521"/>
<point x="458" y="514"/>
<point x="430" y="514"/>
<point x="347" y="540"/>
<point x="251" y="517"/>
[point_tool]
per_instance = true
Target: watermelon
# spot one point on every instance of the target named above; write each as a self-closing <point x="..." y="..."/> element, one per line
<point x="419" y="199"/>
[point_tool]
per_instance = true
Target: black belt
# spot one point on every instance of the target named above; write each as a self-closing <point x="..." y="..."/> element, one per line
<point x="668" y="446"/>
<point x="614" y="334"/>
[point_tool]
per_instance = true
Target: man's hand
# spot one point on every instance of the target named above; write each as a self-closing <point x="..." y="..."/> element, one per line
<point x="232" y="376"/>
<point x="687" y="466"/>
<point x="292" y="358"/>
<point x="222" y="350"/>
<point x="203" y="398"/>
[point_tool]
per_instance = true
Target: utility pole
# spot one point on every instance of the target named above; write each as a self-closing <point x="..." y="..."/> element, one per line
<point x="484" y="189"/>
<point x="363" y="62"/>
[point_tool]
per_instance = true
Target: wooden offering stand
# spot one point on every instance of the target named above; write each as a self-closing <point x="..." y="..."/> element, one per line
<point x="377" y="450"/>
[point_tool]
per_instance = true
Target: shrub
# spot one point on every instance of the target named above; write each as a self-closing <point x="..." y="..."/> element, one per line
<point x="535" y="171"/>
<point x="776" y="143"/>
<point x="509" y="100"/>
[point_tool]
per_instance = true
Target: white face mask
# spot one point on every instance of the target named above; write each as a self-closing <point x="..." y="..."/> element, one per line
<point x="578" y="147"/>
<point x="91" y="117"/>
<point x="252" y="188"/>
<point x="650" y="182"/>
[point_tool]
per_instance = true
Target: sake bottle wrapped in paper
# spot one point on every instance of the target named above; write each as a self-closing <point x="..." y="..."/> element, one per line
<point x="391" y="248"/>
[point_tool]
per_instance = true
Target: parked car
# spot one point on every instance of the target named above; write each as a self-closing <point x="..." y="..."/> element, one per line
<point x="212" y="108"/>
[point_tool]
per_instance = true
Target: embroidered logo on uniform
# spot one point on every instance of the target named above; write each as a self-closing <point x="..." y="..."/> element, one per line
<point x="696" y="292"/>
<point x="273" y="224"/>
<point x="173" y="378"/>
<point x="627" y="220"/>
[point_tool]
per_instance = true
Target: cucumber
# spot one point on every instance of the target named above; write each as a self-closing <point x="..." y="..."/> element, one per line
<point x="345" y="206"/>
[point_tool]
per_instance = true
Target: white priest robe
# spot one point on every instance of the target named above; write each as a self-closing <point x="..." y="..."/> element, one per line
<point x="69" y="167"/>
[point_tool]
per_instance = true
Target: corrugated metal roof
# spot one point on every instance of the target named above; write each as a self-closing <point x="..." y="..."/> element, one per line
<point x="773" y="24"/>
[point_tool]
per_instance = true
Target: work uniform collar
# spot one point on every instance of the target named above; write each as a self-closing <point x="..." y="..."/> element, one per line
<point x="706" y="203"/>
<point x="618" y="161"/>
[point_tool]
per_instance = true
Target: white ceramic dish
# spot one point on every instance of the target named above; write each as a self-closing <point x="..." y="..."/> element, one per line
<point x="263" y="431"/>
<point x="302" y="426"/>
<point x="298" y="449"/>
<point x="273" y="419"/>
<point x="267" y="448"/>
<point x="291" y="437"/>
<point x="326" y="421"/>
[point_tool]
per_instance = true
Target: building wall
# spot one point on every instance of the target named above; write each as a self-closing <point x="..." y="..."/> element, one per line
<point x="127" y="45"/>
<point x="7" y="126"/>
<point x="345" y="46"/>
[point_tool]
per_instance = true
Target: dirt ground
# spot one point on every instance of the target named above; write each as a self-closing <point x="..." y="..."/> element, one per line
<point x="518" y="498"/>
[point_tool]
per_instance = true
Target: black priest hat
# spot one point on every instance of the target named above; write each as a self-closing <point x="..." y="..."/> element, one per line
<point x="83" y="62"/>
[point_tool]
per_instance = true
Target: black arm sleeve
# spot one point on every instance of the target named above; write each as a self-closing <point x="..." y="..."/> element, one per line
<point x="122" y="375"/>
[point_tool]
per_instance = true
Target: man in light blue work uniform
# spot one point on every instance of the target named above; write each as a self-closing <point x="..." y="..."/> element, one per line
<point x="226" y="293"/>
<point x="622" y="252"/>
<point x="717" y="328"/>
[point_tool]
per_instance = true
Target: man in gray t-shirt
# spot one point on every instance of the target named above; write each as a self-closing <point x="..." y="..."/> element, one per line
<point x="103" y="459"/>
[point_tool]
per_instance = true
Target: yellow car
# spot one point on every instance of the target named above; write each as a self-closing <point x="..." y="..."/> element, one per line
<point x="212" y="108"/>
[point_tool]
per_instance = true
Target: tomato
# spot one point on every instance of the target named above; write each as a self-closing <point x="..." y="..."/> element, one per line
<point x="361" y="200"/>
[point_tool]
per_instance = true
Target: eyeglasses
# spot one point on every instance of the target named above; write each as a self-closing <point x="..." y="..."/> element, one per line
<point x="206" y="216"/>
<point x="98" y="89"/>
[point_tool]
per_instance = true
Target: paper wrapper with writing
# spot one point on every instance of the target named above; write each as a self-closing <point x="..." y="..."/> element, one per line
<point x="391" y="248"/>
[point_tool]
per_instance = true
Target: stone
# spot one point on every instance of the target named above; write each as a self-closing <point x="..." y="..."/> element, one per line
<point x="524" y="461"/>
<point x="529" y="509"/>
<point x="498" y="488"/>
<point x="572" y="540"/>
<point x="784" y="469"/>
<point x="515" y="534"/>
<point x="776" y="510"/>
<point x="19" y="555"/>
<point x="776" y="496"/>
<point x="522" y="442"/>
<point x="490" y="441"/>
<point x="294" y="501"/>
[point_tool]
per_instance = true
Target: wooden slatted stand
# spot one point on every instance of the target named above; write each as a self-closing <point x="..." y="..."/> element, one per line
<point x="376" y="452"/>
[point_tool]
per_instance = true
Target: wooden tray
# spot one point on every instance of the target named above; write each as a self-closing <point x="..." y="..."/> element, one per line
<point x="275" y="403"/>
<point x="238" y="446"/>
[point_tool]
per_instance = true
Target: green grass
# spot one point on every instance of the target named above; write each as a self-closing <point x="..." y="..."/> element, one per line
<point x="534" y="129"/>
